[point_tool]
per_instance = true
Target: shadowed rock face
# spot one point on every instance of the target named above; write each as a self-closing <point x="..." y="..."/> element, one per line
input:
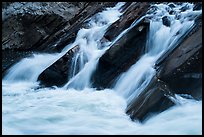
<point x="198" y="6"/>
<point x="152" y="100"/>
<point x="124" y="53"/>
<point x="57" y="74"/>
<point x="182" y="69"/>
<point x="166" y="21"/>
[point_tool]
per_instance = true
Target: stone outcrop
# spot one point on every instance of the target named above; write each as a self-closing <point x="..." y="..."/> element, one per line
<point x="67" y="34"/>
<point x="198" y="6"/>
<point x="129" y="47"/>
<point x="166" y="21"/>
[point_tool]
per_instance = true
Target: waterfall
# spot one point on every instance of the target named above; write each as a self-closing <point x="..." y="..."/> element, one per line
<point x="77" y="108"/>
<point x="91" y="48"/>
<point x="29" y="69"/>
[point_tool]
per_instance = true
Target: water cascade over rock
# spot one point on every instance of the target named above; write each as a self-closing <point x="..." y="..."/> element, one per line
<point x="108" y="68"/>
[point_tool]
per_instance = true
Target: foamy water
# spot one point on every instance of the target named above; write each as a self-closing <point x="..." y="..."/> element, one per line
<point x="59" y="111"/>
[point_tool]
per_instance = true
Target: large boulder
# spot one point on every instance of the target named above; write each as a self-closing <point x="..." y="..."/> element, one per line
<point x="120" y="56"/>
<point x="26" y="24"/>
<point x="154" y="98"/>
<point x="58" y="73"/>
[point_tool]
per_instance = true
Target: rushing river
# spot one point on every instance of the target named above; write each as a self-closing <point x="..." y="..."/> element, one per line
<point x="77" y="108"/>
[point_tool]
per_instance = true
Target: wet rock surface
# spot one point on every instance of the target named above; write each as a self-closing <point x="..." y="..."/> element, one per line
<point x="182" y="69"/>
<point x="154" y="99"/>
<point x="132" y="11"/>
<point x="58" y="73"/>
<point x="198" y="6"/>
<point x="120" y="56"/>
<point x="166" y="21"/>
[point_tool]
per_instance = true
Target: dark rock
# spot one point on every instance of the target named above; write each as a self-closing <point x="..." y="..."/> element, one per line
<point x="118" y="58"/>
<point x="197" y="6"/>
<point x="184" y="8"/>
<point x="166" y="21"/>
<point x="172" y="12"/>
<point x="182" y="69"/>
<point x="57" y="74"/>
<point x="171" y="5"/>
<point x="6" y="4"/>
<point x="22" y="34"/>
<point x="153" y="99"/>
<point x="67" y="34"/>
<point x="125" y="6"/>
<point x="132" y="13"/>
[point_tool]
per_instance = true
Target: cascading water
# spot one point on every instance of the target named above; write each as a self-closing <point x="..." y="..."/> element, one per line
<point x="91" y="48"/>
<point x="78" y="109"/>
<point x="161" y="38"/>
